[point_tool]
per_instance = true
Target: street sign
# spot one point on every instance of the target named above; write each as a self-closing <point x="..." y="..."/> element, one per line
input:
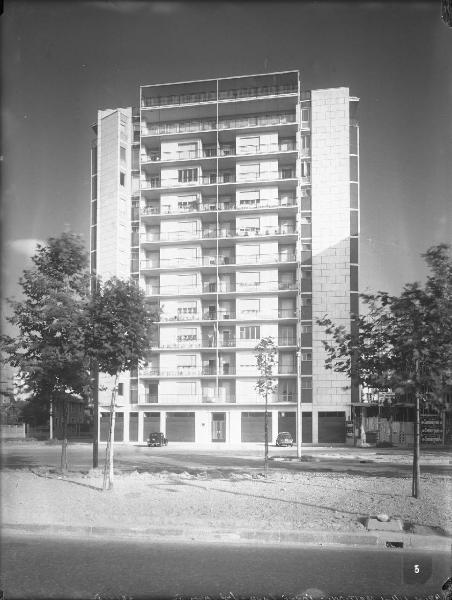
<point x="431" y="429"/>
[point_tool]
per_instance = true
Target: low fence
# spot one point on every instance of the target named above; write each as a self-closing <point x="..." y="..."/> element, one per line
<point x="12" y="432"/>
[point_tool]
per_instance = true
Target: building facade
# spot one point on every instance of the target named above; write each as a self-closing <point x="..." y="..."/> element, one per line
<point x="234" y="204"/>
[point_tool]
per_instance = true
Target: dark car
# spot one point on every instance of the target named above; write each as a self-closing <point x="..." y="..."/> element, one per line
<point x="284" y="439"/>
<point x="157" y="439"/>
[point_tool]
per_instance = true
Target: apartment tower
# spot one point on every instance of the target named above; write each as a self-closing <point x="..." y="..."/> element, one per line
<point x="234" y="204"/>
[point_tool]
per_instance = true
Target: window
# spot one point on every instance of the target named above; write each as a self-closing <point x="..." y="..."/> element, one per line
<point x="122" y="155"/>
<point x="249" y="145"/>
<point x="250" y="306"/>
<point x="249" y="225"/>
<point x="187" y="175"/>
<point x="249" y="253"/>
<point x="120" y="389"/>
<point x="187" y="334"/>
<point x="250" y="332"/>
<point x="306" y="328"/>
<point x="249" y="198"/>
<point x="185" y="388"/>
<point x="305" y="114"/>
<point x="187" y="201"/>
<point x="122" y="179"/>
<point x="187" y="149"/>
<point x="249" y="171"/>
<point x="187" y="309"/>
<point x="305" y="356"/>
<point x="305" y="169"/>
<point x="306" y="383"/>
<point x="186" y="360"/>
<point x="305" y="142"/>
<point x="186" y="281"/>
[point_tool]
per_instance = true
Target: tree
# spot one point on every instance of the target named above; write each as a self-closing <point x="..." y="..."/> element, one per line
<point x="266" y="384"/>
<point x="121" y="325"/>
<point x="49" y="349"/>
<point x="403" y="343"/>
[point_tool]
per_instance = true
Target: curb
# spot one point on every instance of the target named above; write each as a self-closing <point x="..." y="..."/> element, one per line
<point x="244" y="536"/>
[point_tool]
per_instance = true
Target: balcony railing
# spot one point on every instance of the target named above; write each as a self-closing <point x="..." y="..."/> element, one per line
<point x="213" y="206"/>
<point x="197" y="125"/>
<point x="257" y="120"/>
<point x="257" y="92"/>
<point x="196" y="98"/>
<point x="174" y="236"/>
<point x="213" y="261"/>
<point x="193" y="126"/>
<point x="222" y="288"/>
<point x="287" y="369"/>
<point x="242" y="150"/>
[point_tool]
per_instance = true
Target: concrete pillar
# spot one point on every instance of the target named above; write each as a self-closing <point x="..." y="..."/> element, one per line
<point x="315" y="426"/>
<point x="140" y="427"/>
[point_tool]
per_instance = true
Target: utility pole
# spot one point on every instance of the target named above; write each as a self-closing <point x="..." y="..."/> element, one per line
<point x="95" y="395"/>
<point x="299" y="429"/>
<point x="416" y="489"/>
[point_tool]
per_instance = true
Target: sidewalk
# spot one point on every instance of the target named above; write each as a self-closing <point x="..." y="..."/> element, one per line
<point x="243" y="507"/>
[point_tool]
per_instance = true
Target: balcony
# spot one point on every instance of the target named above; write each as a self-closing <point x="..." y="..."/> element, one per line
<point x="287" y="370"/>
<point x="192" y="207"/>
<point x="243" y="150"/>
<point x="285" y="118"/>
<point x="175" y="236"/>
<point x="257" y="92"/>
<point x="247" y="287"/>
<point x="198" y="125"/>
<point x="192" y="126"/>
<point x="211" y="96"/>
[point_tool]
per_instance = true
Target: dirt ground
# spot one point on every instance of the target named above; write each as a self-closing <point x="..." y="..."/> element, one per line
<point x="283" y="501"/>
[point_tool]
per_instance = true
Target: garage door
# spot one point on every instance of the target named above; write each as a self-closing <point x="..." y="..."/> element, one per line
<point x="180" y="427"/>
<point x="287" y="421"/>
<point x="253" y="424"/>
<point x="332" y="427"/>
<point x="105" y="426"/>
<point x="306" y="428"/>
<point x="151" y="424"/>
<point x="133" y="427"/>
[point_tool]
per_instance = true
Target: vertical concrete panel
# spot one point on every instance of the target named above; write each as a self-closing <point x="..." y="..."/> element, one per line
<point x="330" y="235"/>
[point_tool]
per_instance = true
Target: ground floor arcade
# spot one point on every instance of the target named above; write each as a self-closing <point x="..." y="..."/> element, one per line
<point x="225" y="425"/>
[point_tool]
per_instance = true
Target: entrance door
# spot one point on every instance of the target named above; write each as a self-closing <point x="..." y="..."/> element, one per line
<point x="218" y="427"/>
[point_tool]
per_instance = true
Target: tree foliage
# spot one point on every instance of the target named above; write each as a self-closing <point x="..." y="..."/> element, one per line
<point x="266" y="354"/>
<point x="49" y="349"/>
<point x="120" y="326"/>
<point x="403" y="343"/>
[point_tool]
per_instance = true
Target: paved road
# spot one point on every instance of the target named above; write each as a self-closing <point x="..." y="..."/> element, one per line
<point x="180" y="459"/>
<point x="74" y="568"/>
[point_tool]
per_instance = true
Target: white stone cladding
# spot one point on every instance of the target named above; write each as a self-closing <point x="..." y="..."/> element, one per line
<point x="330" y="173"/>
<point x="113" y="209"/>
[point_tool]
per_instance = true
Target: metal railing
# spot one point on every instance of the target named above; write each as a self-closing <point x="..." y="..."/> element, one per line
<point x="222" y="288"/>
<point x="199" y="97"/>
<point x="213" y="261"/>
<point x="221" y="205"/>
<point x="174" y="236"/>
<point x="197" y="125"/>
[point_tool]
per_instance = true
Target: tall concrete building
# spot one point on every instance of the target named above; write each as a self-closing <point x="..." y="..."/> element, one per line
<point x="234" y="204"/>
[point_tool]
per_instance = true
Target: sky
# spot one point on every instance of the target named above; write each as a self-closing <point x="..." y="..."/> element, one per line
<point x="62" y="61"/>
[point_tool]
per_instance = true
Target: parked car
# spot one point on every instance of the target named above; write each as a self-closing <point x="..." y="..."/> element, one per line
<point x="157" y="439"/>
<point x="284" y="439"/>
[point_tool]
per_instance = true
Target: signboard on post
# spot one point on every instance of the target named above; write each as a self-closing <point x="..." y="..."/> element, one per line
<point x="431" y="429"/>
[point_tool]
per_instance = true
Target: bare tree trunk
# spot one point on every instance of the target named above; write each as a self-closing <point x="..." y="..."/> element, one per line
<point x="108" y="469"/>
<point x="266" y="435"/>
<point x="415" y="490"/>
<point x="51" y="418"/>
<point x="63" y="465"/>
